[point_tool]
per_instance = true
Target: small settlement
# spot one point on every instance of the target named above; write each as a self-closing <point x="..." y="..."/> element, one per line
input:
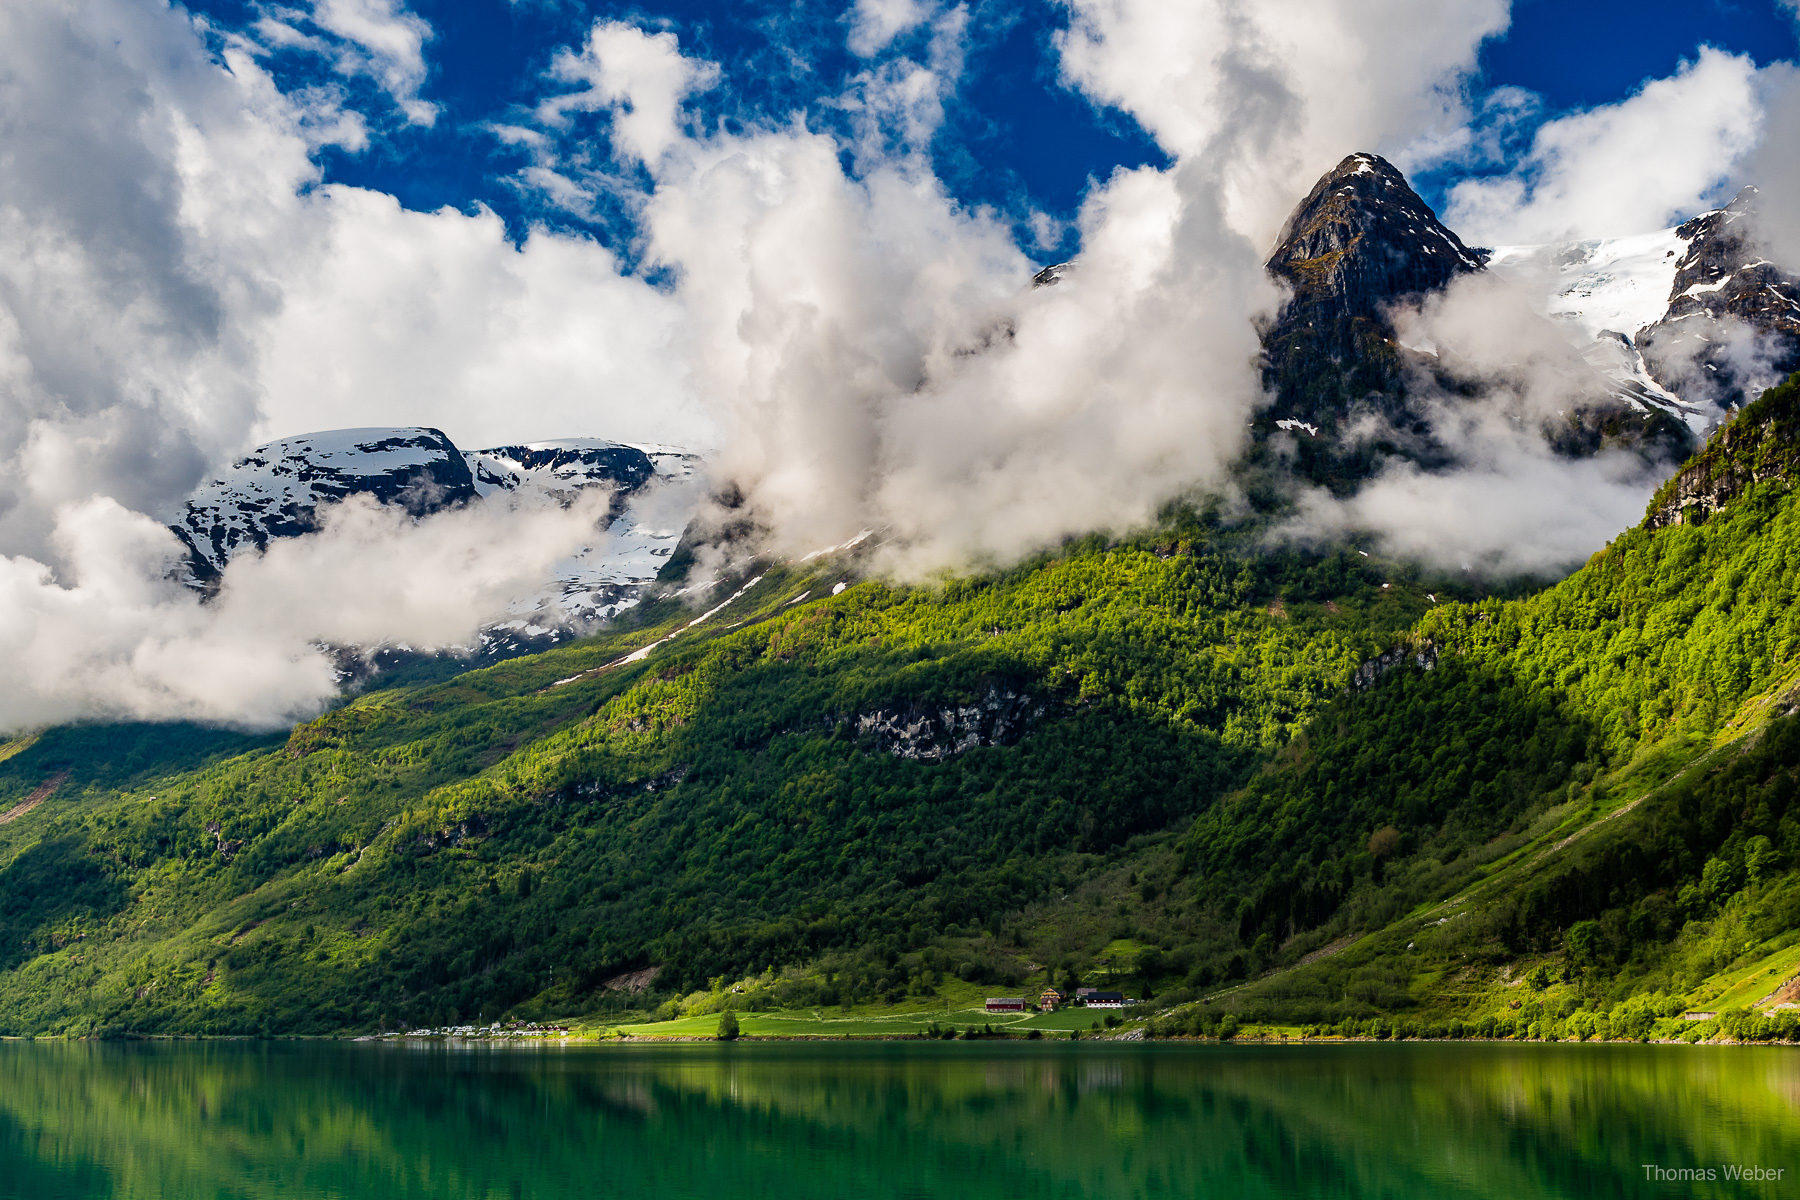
<point x="1051" y="1000"/>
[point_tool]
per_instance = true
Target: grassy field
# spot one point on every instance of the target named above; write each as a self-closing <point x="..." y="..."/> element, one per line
<point x="1743" y="987"/>
<point x="828" y="1023"/>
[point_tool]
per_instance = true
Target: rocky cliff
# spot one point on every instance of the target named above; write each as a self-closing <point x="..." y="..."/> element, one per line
<point x="1761" y="443"/>
<point x="1732" y="327"/>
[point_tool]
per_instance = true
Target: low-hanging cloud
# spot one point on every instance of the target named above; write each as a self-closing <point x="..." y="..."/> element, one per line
<point x="1494" y="380"/>
<point x="111" y="635"/>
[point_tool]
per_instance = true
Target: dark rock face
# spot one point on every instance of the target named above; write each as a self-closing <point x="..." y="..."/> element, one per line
<point x="276" y="490"/>
<point x="1733" y="324"/>
<point x="1423" y="655"/>
<point x="626" y="467"/>
<point x="933" y="732"/>
<point x="1359" y="243"/>
<point x="1761" y="443"/>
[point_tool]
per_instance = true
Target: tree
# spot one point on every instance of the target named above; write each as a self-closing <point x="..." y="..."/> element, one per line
<point x="728" y="1026"/>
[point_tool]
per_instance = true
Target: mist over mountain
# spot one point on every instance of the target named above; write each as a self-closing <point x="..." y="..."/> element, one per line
<point x="1365" y="373"/>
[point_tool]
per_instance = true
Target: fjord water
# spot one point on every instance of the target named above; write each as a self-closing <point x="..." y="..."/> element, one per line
<point x="254" y="1120"/>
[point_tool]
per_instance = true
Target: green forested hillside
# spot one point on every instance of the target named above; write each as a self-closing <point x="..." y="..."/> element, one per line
<point x="1152" y="762"/>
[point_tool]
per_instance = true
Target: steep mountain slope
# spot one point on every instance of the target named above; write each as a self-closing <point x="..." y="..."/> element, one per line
<point x="1733" y="324"/>
<point x="1175" y="762"/>
<point x="1359" y="243"/>
<point x="1625" y="806"/>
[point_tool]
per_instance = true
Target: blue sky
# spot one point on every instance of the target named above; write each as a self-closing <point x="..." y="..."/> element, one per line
<point x="1014" y="136"/>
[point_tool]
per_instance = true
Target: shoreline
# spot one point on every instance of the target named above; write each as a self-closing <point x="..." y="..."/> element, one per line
<point x="1132" y="1036"/>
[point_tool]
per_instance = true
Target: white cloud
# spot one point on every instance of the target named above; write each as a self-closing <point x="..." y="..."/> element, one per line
<point x="1519" y="510"/>
<point x="393" y="317"/>
<point x="1624" y="168"/>
<point x="1314" y="79"/>
<point x="897" y="105"/>
<point x="874" y="24"/>
<point x="1774" y="166"/>
<point x="882" y="361"/>
<point x="109" y="636"/>
<point x="641" y="78"/>
<point x="381" y="39"/>
<point x="1513" y="503"/>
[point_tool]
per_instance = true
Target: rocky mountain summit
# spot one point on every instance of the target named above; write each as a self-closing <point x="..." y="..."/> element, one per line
<point x="1361" y="242"/>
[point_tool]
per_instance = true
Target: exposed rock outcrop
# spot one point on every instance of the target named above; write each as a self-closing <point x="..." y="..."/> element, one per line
<point x="925" y="731"/>
<point x="1423" y="655"/>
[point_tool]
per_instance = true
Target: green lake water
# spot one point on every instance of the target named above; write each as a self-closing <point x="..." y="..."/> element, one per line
<point x="927" y="1120"/>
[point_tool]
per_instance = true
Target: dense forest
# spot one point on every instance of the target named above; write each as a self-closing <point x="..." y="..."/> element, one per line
<point x="1251" y="783"/>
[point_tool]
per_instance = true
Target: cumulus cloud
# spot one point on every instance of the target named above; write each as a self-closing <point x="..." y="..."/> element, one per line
<point x="1658" y="156"/>
<point x="874" y="24"/>
<point x="897" y="104"/>
<point x="1316" y="79"/>
<point x="640" y="78"/>
<point x="392" y="316"/>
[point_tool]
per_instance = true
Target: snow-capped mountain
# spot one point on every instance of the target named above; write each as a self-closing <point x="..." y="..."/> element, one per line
<point x="277" y="490"/>
<point x="1692" y="320"/>
<point x="656" y="490"/>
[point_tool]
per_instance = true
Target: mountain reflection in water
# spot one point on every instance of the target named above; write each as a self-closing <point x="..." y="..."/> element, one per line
<point x="162" y="1120"/>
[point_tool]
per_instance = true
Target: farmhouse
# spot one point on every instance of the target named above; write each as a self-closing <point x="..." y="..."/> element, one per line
<point x="1051" y="1000"/>
<point x="1108" y="1000"/>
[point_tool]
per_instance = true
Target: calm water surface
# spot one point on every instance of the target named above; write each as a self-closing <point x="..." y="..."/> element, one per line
<point x="932" y="1121"/>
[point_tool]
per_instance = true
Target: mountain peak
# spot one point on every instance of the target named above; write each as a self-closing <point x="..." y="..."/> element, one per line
<point x="1359" y="242"/>
<point x="1362" y="236"/>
